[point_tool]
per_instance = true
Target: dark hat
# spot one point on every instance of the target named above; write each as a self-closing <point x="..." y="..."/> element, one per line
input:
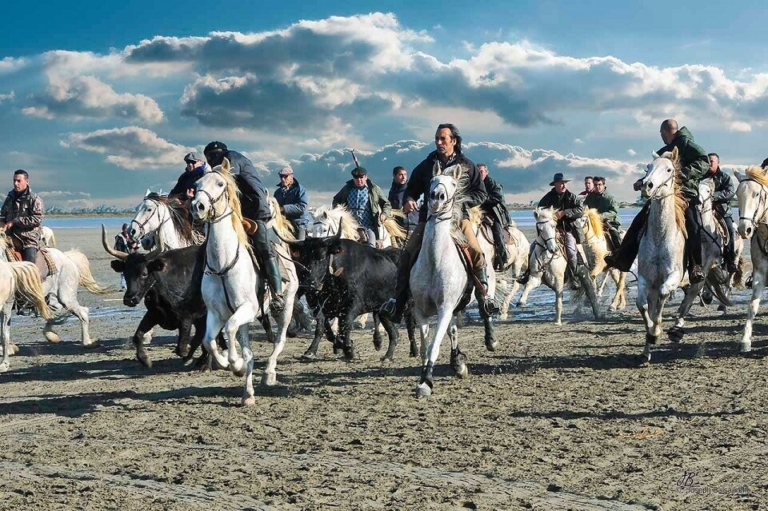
<point x="193" y="156"/>
<point x="215" y="146"/>
<point x="359" y="172"/>
<point x="765" y="163"/>
<point x="558" y="177"/>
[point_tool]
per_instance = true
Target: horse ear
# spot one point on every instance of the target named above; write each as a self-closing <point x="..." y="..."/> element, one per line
<point x="225" y="165"/>
<point x="741" y="177"/>
<point x="146" y="194"/>
<point x="436" y="168"/>
<point x="675" y="153"/>
<point x="654" y="155"/>
<point x="536" y="213"/>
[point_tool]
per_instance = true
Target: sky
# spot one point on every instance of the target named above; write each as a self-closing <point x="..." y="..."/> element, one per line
<point x="99" y="101"/>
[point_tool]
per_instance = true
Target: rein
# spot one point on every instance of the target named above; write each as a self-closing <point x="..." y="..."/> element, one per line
<point x="145" y="222"/>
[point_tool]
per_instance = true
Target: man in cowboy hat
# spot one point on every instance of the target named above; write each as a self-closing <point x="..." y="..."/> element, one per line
<point x="567" y="209"/>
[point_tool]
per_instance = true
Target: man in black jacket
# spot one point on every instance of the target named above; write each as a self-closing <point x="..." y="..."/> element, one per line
<point x="447" y="153"/>
<point x="185" y="185"/>
<point x="724" y="192"/>
<point x="396" y="196"/>
<point x="254" y="206"/>
<point x="495" y="209"/>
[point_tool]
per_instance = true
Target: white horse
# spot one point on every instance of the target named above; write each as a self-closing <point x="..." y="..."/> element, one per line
<point x="752" y="195"/>
<point x="711" y="231"/>
<point x="60" y="288"/>
<point x="47" y="236"/>
<point x="546" y="261"/>
<point x="162" y="221"/>
<point x="596" y="248"/>
<point x="230" y="281"/>
<point x="439" y="283"/>
<point x="18" y="279"/>
<point x="326" y="222"/>
<point x="518" y="250"/>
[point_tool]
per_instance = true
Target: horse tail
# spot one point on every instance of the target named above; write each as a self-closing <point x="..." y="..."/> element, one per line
<point x="29" y="286"/>
<point x="393" y="228"/>
<point x="84" y="269"/>
<point x="738" y="277"/>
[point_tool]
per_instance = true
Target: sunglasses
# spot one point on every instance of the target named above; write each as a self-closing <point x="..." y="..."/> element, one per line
<point x="283" y="176"/>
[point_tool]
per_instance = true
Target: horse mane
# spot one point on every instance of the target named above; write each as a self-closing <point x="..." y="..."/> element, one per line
<point x="350" y="226"/>
<point x="681" y="204"/>
<point x="758" y="174"/>
<point x="595" y="221"/>
<point x="179" y="213"/>
<point x="393" y="228"/>
<point x="512" y="224"/>
<point x="280" y="223"/>
<point x="233" y="195"/>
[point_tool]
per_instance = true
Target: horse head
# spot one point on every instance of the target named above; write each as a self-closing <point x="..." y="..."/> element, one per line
<point x="751" y="194"/>
<point x="210" y="200"/>
<point x="150" y="215"/>
<point x="706" y="193"/>
<point x="443" y="189"/>
<point x="546" y="227"/>
<point x="659" y="180"/>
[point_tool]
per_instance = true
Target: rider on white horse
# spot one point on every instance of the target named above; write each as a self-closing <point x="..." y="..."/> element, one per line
<point x="255" y="207"/>
<point x="185" y="185"/>
<point x="448" y="153"/>
<point x="695" y="165"/>
<point x="21" y="216"/>
<point x="724" y="192"/>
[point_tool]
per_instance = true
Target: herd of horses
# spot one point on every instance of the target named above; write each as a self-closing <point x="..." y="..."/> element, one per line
<point x="235" y="294"/>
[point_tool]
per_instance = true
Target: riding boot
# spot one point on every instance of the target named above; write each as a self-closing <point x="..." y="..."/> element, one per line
<point x="500" y="262"/>
<point x="623" y="257"/>
<point x="729" y="252"/>
<point x="693" y="228"/>
<point x="481" y="292"/>
<point x="574" y="278"/>
<point x="523" y="279"/>
<point x="277" y="302"/>
<point x="615" y="237"/>
<point x="394" y="308"/>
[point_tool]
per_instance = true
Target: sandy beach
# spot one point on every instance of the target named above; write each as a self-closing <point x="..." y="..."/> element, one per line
<point x="556" y="418"/>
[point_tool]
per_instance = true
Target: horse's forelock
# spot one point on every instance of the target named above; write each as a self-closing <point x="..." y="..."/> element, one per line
<point x="757" y="174"/>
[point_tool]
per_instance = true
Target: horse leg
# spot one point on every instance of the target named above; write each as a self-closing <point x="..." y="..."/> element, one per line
<point x="283" y="320"/>
<point x="5" y="327"/>
<point x="458" y="358"/>
<point x="266" y="324"/>
<point x="508" y="299"/>
<point x="240" y="318"/>
<point x="758" y="284"/>
<point x="559" y="303"/>
<point x="444" y="317"/>
<point x="677" y="332"/>
<point x="244" y="339"/>
<point x="392" y="333"/>
<point x="534" y="281"/>
<point x="213" y="325"/>
<point x="361" y="321"/>
<point x="490" y="338"/>
<point x="182" y="344"/>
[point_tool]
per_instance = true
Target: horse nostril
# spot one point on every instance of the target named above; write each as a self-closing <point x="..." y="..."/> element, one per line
<point x="200" y="207"/>
<point x="650" y="185"/>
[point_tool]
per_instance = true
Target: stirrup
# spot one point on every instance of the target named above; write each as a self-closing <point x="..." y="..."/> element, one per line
<point x="389" y="310"/>
<point x="276" y="302"/>
<point x="696" y="274"/>
<point x="490" y="307"/>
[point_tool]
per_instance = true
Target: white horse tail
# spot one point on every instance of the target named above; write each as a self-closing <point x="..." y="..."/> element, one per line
<point x="84" y="269"/>
<point x="29" y="286"/>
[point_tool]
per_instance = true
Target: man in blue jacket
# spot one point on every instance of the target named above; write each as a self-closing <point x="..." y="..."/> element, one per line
<point x="294" y="201"/>
<point x="254" y="206"/>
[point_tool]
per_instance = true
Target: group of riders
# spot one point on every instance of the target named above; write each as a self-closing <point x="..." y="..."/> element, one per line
<point x="22" y="210"/>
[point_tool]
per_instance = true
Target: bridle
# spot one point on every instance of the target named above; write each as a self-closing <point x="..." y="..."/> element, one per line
<point x="761" y="201"/>
<point x="141" y="225"/>
<point x="548" y="256"/>
<point x="446" y="212"/>
<point x="654" y="196"/>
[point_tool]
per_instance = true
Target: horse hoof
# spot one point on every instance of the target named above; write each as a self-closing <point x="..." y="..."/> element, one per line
<point x="745" y="347"/>
<point x="269" y="379"/>
<point x="611" y="309"/>
<point x="491" y="345"/>
<point x="308" y="357"/>
<point x="462" y="372"/>
<point x="249" y="401"/>
<point x="650" y="339"/>
<point x="52" y="337"/>
<point x="423" y="390"/>
<point x="721" y="308"/>
<point x="349" y="354"/>
<point x="388" y="358"/>
<point x="377" y="345"/>
<point x="92" y="344"/>
<point x="145" y="361"/>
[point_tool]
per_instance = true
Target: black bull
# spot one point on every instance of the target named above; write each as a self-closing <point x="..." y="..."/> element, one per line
<point x="343" y="279"/>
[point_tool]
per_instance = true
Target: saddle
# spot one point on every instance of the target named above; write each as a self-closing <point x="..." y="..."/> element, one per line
<point x="486" y="229"/>
<point x="722" y="229"/>
<point x="43" y="259"/>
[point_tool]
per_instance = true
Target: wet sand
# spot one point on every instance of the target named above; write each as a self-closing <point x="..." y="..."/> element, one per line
<point x="556" y="418"/>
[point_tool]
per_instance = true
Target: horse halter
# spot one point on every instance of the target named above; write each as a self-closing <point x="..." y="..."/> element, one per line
<point x="760" y="201"/>
<point x="653" y="195"/>
<point x="446" y="212"/>
<point x="146" y="221"/>
<point x="212" y="217"/>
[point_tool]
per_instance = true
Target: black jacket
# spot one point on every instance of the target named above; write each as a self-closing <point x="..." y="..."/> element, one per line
<point x="254" y="196"/>
<point x="724" y="192"/>
<point x="186" y="181"/>
<point x="422" y="176"/>
<point x="495" y="205"/>
<point x="396" y="196"/>
<point x="569" y="204"/>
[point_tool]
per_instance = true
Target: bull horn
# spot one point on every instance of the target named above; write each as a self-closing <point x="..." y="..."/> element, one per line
<point x="111" y="251"/>
<point x="337" y="236"/>
<point x="287" y="242"/>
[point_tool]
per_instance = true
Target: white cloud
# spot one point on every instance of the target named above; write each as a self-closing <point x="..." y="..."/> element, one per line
<point x="631" y="152"/>
<point x="62" y="193"/>
<point x="131" y="147"/>
<point x="6" y="97"/>
<point x="578" y="141"/>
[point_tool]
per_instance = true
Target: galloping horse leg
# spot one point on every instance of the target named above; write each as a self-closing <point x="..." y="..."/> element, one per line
<point x="490" y="338"/>
<point x="410" y="326"/>
<point x="534" y="281"/>
<point x="444" y="317"/>
<point x="677" y="332"/>
<point x="244" y="339"/>
<point x="5" y="330"/>
<point x="239" y="319"/>
<point x="758" y="284"/>
<point x="458" y="358"/>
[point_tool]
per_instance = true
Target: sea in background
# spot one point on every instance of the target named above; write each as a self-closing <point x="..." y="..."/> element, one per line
<point x="523" y="218"/>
